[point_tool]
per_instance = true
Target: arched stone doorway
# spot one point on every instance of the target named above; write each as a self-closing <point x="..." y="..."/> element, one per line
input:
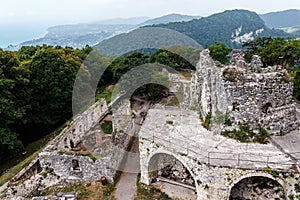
<point x="167" y="171"/>
<point x="258" y="188"/>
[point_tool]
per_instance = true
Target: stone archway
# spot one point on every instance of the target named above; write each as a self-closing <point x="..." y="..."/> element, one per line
<point x="257" y="187"/>
<point x="170" y="167"/>
<point x="169" y="171"/>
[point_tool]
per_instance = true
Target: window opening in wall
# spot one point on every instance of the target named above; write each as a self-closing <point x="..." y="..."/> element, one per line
<point x="75" y="165"/>
<point x="235" y="106"/>
<point x="266" y="107"/>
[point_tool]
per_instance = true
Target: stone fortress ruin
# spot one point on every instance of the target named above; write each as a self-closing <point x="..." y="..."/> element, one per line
<point x="246" y="93"/>
<point x="235" y="135"/>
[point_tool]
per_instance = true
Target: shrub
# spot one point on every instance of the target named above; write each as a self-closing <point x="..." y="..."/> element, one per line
<point x="207" y="121"/>
<point x="245" y="134"/>
<point x="231" y="74"/>
<point x="106" y="127"/>
<point x="227" y="121"/>
<point x="72" y="143"/>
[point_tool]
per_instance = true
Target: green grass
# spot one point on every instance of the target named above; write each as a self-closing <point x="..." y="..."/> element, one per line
<point x="227" y="121"/>
<point x="106" y="93"/>
<point x="187" y="75"/>
<point x="207" y="121"/>
<point x="10" y="168"/>
<point x="85" y="190"/>
<point x="10" y="173"/>
<point x="245" y="134"/>
<point x="106" y="127"/>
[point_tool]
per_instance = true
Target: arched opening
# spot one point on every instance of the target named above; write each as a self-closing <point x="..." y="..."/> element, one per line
<point x="257" y="187"/>
<point x="170" y="174"/>
<point x="75" y="165"/>
<point x="266" y="107"/>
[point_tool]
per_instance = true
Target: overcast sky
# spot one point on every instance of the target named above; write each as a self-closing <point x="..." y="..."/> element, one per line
<point x="39" y="14"/>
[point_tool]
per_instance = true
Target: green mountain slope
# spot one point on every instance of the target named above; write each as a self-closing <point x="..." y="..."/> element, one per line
<point x="144" y="38"/>
<point x="230" y="27"/>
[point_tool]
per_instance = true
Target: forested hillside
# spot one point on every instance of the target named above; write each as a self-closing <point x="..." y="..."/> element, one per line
<point x="36" y="89"/>
<point x="144" y="38"/>
<point x="37" y="84"/>
<point x="230" y="27"/>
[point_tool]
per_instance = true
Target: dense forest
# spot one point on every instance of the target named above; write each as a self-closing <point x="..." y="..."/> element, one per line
<point x="36" y="89"/>
<point x="37" y="82"/>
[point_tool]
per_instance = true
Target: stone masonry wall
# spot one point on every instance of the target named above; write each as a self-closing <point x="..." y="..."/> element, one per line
<point x="81" y="125"/>
<point x="211" y="182"/>
<point x="102" y="153"/>
<point x="86" y="170"/>
<point x="245" y="93"/>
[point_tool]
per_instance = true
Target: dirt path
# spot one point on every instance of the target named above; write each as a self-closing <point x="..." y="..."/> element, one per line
<point x="176" y="192"/>
<point x="126" y="187"/>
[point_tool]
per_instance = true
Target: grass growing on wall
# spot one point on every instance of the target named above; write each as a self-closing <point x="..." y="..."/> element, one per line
<point x="207" y="121"/>
<point x="245" y="134"/>
<point x="14" y="166"/>
<point x="106" y="127"/>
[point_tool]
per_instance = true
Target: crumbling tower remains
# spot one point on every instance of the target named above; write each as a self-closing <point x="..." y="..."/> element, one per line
<point x="244" y="93"/>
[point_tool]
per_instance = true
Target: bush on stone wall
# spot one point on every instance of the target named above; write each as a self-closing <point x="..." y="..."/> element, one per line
<point x="207" y="121"/>
<point x="245" y="134"/>
<point x="231" y="74"/>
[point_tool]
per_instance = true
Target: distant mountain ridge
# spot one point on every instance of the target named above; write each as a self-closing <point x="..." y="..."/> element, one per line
<point x="169" y="18"/>
<point x="230" y="27"/>
<point x="80" y="35"/>
<point x="282" y="19"/>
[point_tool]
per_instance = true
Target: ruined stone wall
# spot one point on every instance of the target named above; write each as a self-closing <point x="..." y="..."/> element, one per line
<point x="122" y="121"/>
<point x="77" y="167"/>
<point x="169" y="167"/>
<point x="245" y="93"/>
<point x="262" y="99"/>
<point x="77" y="129"/>
<point x="213" y="182"/>
<point x="180" y="87"/>
<point x="95" y="154"/>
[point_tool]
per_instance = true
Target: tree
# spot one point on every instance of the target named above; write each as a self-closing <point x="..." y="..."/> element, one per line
<point x="53" y="72"/>
<point x="270" y="49"/>
<point x="122" y="65"/>
<point x="296" y="92"/>
<point x="219" y="52"/>
<point x="171" y="59"/>
<point x="9" y="109"/>
<point x="275" y="51"/>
